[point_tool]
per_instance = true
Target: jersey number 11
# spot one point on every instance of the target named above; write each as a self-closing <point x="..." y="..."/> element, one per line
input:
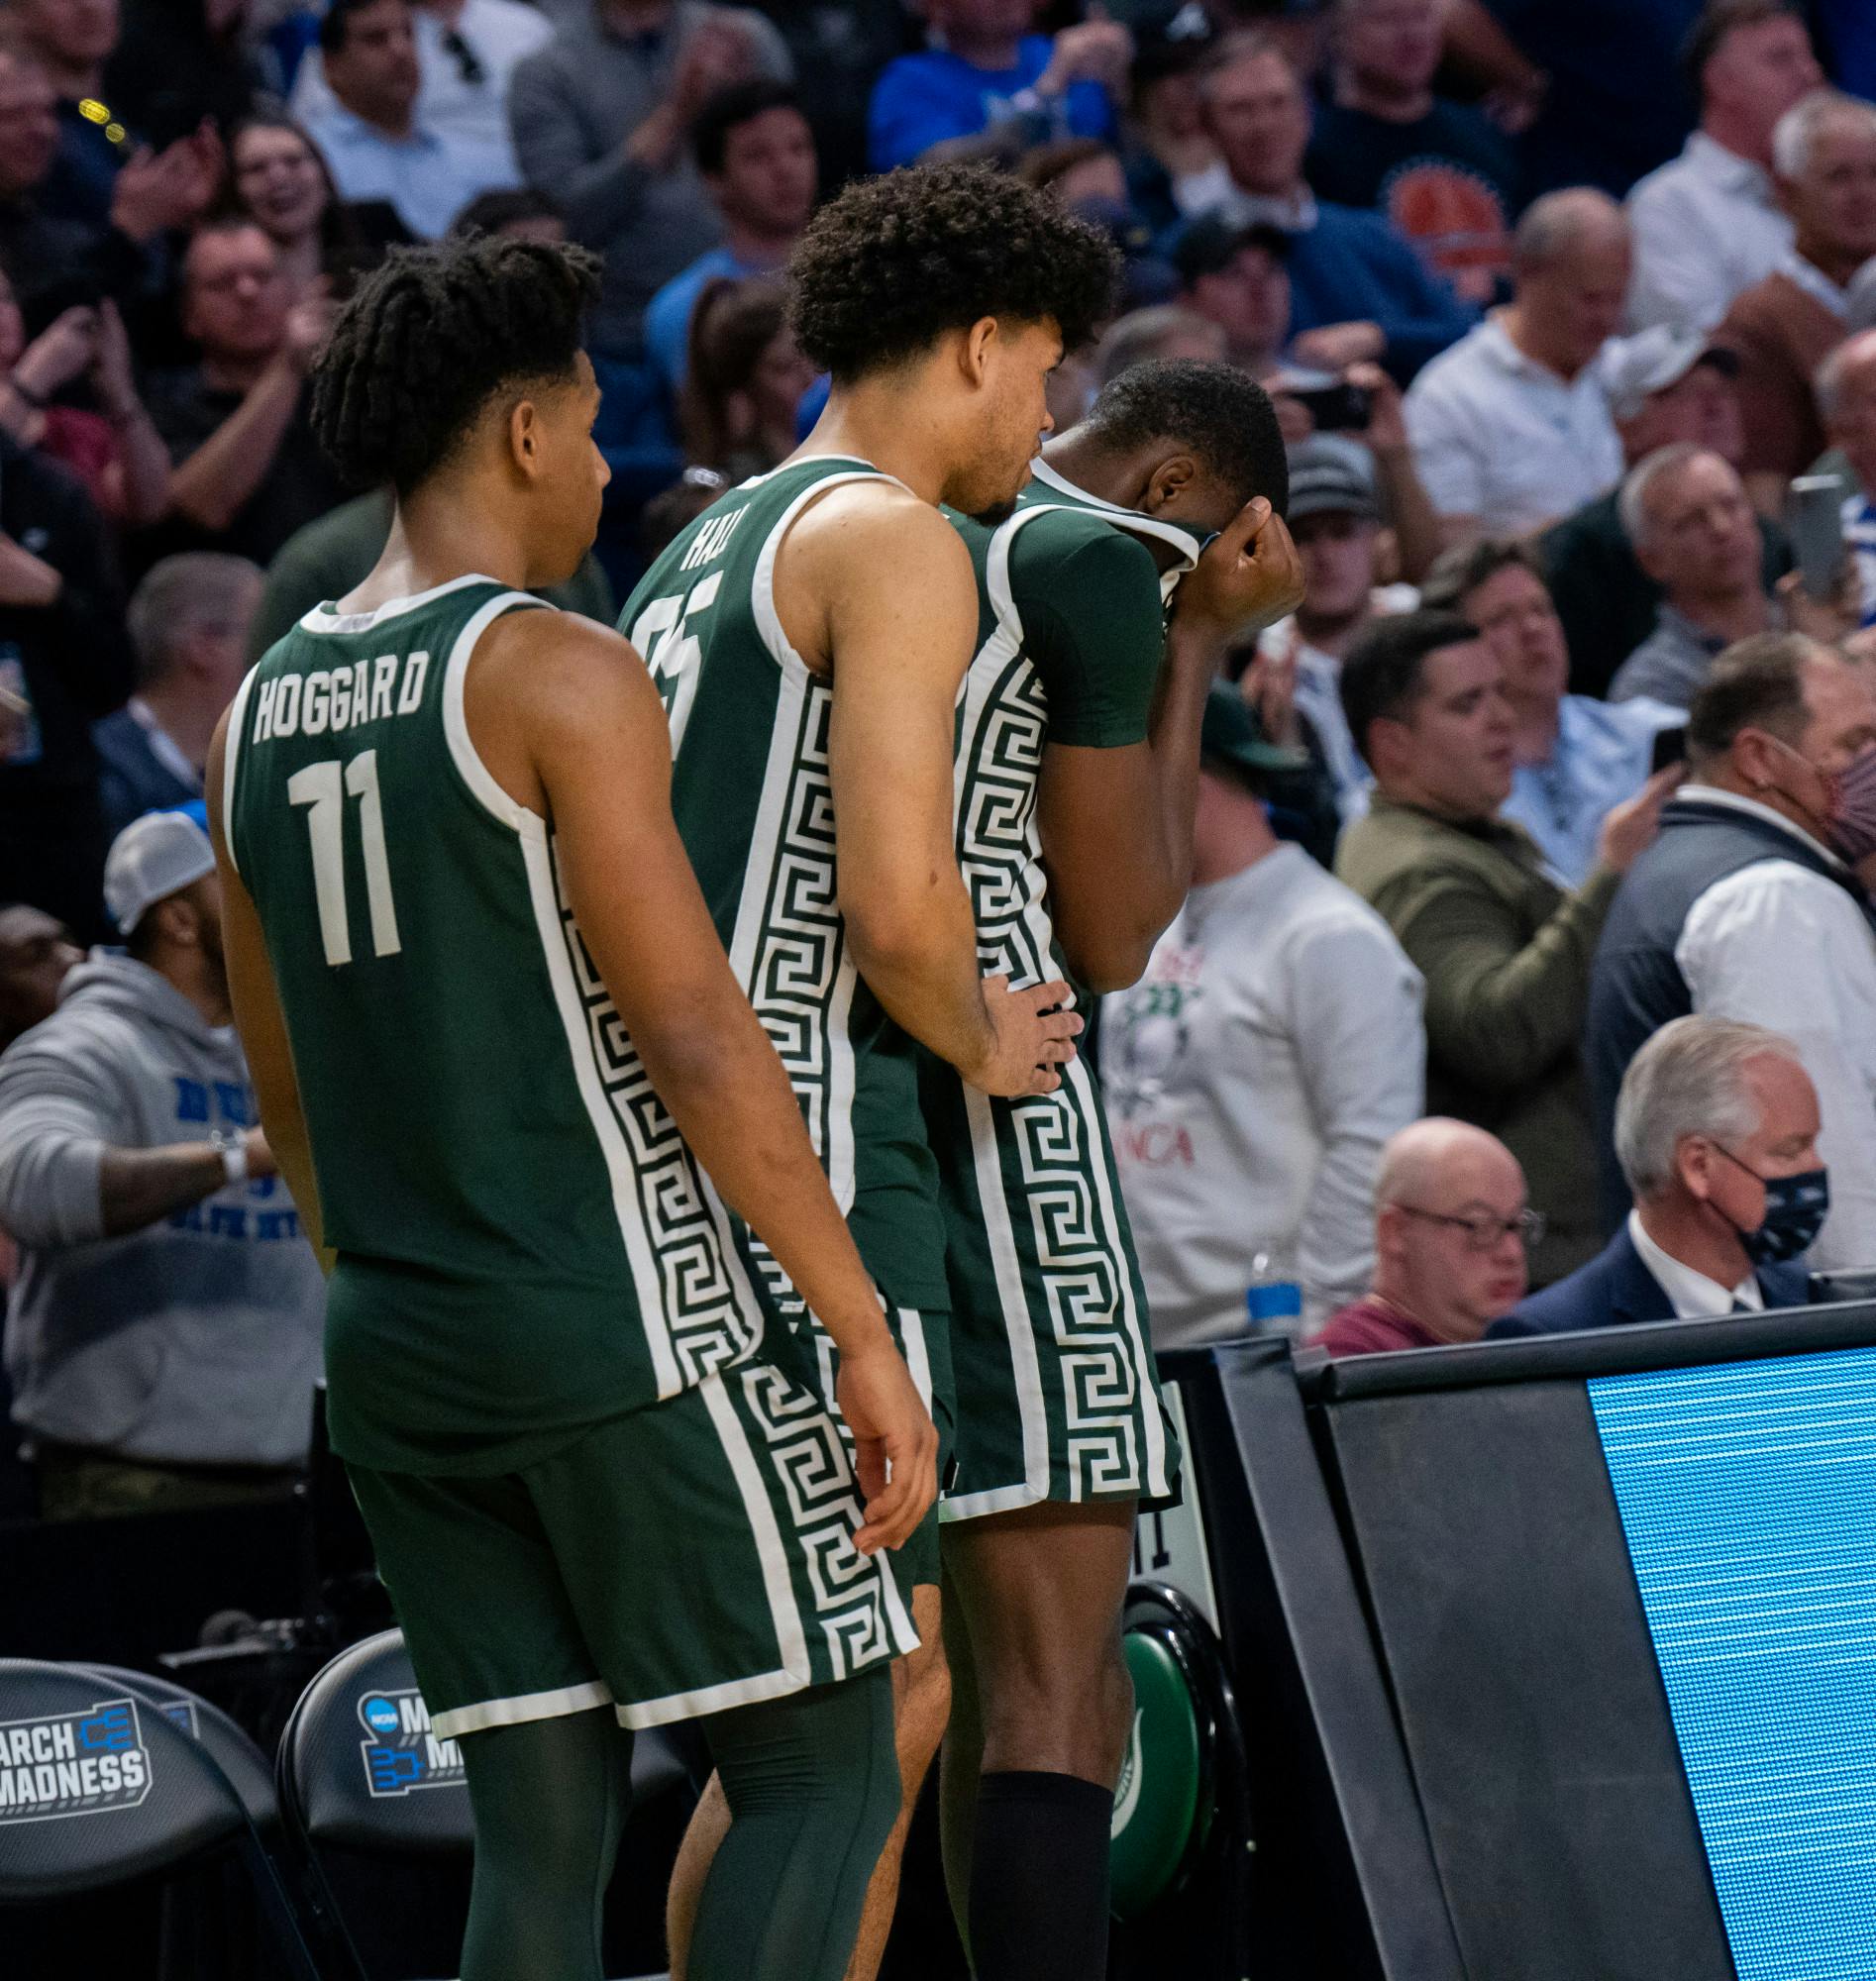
<point x="323" y="788"/>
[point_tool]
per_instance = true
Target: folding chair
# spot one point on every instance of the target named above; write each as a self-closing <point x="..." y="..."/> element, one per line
<point x="100" y="1787"/>
<point x="378" y="1812"/>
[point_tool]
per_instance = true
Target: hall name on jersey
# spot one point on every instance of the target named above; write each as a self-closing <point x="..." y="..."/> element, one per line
<point x="338" y="699"/>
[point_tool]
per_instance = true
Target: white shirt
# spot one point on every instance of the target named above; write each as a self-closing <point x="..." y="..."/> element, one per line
<point x="500" y="34"/>
<point x="429" y="176"/>
<point x="1498" y="435"/>
<point x="1778" y="945"/>
<point x="1252" y="1076"/>
<point x="1706" y="226"/>
<point x="1692" y="1295"/>
<point x="1215" y="190"/>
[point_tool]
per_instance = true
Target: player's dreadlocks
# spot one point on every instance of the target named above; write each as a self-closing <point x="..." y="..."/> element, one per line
<point x="431" y="337"/>
<point x="888" y="268"/>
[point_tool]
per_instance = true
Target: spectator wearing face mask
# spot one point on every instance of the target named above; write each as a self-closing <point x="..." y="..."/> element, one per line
<point x="1747" y="907"/>
<point x="1577" y="758"/>
<point x="1716" y="1133"/>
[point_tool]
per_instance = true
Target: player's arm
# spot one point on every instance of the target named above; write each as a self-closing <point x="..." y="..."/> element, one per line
<point x="887" y="589"/>
<point x="565" y="715"/>
<point x="1117" y="824"/>
<point x="259" y="1020"/>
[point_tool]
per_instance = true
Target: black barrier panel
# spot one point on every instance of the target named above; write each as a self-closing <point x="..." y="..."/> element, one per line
<point x="1345" y="1885"/>
<point x="1526" y="1685"/>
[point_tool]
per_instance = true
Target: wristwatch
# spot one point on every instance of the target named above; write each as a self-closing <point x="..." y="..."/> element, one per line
<point x="233" y="1151"/>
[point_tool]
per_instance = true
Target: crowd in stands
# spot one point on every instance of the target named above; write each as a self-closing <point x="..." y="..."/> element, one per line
<point x="1554" y="304"/>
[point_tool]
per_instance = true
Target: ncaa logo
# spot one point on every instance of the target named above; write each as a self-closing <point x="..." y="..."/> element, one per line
<point x="400" y="1751"/>
<point x="72" y="1763"/>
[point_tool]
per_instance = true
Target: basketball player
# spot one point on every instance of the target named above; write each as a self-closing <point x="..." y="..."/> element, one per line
<point x="518" y="1093"/>
<point x="810" y="634"/>
<point x="1077" y="783"/>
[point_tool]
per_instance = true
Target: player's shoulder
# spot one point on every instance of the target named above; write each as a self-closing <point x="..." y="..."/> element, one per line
<point x="537" y="648"/>
<point x="872" y="527"/>
<point x="1054" y="544"/>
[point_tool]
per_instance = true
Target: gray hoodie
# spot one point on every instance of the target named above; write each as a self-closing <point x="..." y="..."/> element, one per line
<point x="195" y="1341"/>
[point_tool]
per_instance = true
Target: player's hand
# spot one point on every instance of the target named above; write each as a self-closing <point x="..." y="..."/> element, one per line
<point x="895" y="1444"/>
<point x="260" y="1160"/>
<point x="1035" y="1033"/>
<point x="1246" y="579"/>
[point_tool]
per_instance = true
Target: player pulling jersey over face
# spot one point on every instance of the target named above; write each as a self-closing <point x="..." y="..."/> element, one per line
<point x="1076" y="779"/>
<point x="501" y="1053"/>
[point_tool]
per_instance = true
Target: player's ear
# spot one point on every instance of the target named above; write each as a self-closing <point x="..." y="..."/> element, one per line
<point x="1171" y="479"/>
<point x="977" y="349"/>
<point x="524" y="436"/>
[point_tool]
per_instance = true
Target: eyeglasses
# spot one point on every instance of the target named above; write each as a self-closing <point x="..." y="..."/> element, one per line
<point x="1483" y="1234"/>
<point x="468" y="63"/>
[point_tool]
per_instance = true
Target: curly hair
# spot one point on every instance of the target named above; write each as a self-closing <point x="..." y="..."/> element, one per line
<point x="1223" y="415"/>
<point x="430" y="338"/>
<point x="894" y="263"/>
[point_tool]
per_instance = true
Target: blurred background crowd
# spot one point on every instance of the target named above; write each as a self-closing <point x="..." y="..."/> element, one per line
<point x="1569" y="313"/>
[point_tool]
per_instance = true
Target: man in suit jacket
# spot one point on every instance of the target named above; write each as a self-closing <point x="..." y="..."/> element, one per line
<point x="1717" y="1129"/>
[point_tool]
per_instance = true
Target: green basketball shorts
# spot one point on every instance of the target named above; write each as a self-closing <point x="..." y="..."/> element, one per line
<point x="675" y="1561"/>
<point x="1057" y="1392"/>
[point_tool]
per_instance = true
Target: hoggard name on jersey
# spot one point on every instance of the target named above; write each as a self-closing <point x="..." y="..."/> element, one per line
<point x="336" y="699"/>
<point x="72" y="1763"/>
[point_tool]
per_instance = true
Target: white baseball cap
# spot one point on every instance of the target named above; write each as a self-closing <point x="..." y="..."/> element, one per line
<point x="153" y="858"/>
<point x="1654" y="359"/>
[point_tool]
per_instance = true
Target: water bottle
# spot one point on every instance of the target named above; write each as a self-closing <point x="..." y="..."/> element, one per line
<point x="1275" y="1305"/>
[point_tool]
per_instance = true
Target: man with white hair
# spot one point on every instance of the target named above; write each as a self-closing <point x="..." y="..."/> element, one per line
<point x="1687" y="515"/>
<point x="1717" y="1131"/>
<point x="1706" y="223"/>
<point x="1785" y="326"/>
<point x="1511" y="428"/>
<point x="188" y="623"/>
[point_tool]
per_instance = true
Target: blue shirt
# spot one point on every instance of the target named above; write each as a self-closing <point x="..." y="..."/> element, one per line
<point x="668" y="314"/>
<point x="1352" y="267"/>
<point x="429" y="176"/>
<point x="1602" y="758"/>
<point x="921" y="100"/>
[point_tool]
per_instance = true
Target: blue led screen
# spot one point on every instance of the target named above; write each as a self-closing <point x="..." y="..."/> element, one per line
<point x="1747" y="1493"/>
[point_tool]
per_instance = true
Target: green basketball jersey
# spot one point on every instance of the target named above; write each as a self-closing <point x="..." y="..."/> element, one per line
<point x="525" y="1243"/>
<point x="1069" y="639"/>
<point x="1051" y="1351"/>
<point x="752" y="798"/>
